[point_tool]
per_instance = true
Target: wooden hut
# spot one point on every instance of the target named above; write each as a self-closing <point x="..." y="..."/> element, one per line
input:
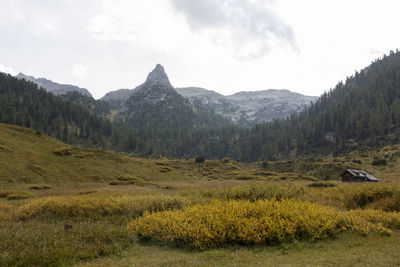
<point x="358" y="176"/>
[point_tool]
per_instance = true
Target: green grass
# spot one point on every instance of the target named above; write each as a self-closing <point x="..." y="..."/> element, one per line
<point x="346" y="250"/>
<point x="47" y="243"/>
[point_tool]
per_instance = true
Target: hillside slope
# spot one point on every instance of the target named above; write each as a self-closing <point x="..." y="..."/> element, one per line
<point x="27" y="156"/>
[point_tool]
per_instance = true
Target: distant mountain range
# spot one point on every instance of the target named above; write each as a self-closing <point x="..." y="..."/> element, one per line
<point x="244" y="108"/>
<point x="248" y="108"/>
<point x="53" y="87"/>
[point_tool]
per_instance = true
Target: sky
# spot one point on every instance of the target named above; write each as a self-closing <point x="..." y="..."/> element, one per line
<point x="227" y="46"/>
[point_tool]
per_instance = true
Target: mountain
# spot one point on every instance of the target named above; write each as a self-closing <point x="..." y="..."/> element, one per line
<point x="55" y="88"/>
<point x="156" y="103"/>
<point x="249" y="108"/>
<point x="116" y="98"/>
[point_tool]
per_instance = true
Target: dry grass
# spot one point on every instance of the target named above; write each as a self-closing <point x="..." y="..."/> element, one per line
<point x="97" y="205"/>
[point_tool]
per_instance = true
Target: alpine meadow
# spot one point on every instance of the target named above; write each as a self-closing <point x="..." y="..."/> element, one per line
<point x="157" y="170"/>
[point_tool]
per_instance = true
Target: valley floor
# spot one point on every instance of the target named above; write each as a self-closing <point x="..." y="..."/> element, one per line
<point x="69" y="206"/>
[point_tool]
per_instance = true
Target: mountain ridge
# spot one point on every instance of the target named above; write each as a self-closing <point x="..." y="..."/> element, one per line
<point x="53" y="87"/>
<point x="247" y="108"/>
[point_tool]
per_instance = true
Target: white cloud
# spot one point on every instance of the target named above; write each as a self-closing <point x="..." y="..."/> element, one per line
<point x="129" y="21"/>
<point x="46" y="27"/>
<point x="80" y="71"/>
<point x="8" y="70"/>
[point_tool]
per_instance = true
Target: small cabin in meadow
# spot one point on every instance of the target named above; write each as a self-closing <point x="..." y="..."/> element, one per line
<point x="358" y="176"/>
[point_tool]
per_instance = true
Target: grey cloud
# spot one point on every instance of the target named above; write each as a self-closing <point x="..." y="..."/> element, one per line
<point x="202" y="13"/>
<point x="247" y="20"/>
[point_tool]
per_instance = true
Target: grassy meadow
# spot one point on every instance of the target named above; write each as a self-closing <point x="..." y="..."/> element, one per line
<point x="63" y="206"/>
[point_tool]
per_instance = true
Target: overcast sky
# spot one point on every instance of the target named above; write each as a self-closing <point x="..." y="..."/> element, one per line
<point x="223" y="45"/>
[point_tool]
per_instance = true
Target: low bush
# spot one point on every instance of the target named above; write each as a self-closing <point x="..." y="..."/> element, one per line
<point x="390" y="203"/>
<point x="18" y="196"/>
<point x="62" y="151"/>
<point x="322" y="184"/>
<point x="40" y="187"/>
<point x="87" y="192"/>
<point x="363" y="195"/>
<point x="200" y="159"/>
<point x="129" y="180"/>
<point x="252" y="193"/>
<point x="4" y="194"/>
<point x="379" y="162"/>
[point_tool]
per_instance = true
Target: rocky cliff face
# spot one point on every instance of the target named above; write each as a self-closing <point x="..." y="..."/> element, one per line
<point x="249" y="108"/>
<point x="159" y="76"/>
<point x="53" y="87"/>
<point x="117" y="98"/>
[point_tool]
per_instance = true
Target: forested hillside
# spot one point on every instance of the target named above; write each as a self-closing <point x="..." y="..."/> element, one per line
<point x="363" y="110"/>
<point x="22" y="103"/>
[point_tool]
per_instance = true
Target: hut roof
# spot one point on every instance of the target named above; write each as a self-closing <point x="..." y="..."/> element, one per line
<point x="362" y="174"/>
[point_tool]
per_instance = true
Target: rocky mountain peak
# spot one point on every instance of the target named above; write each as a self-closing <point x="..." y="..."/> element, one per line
<point x="158" y="75"/>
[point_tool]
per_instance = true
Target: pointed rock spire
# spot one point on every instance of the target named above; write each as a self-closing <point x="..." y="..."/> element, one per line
<point x="158" y="75"/>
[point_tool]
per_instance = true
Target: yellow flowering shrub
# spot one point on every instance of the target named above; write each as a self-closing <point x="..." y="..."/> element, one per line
<point x="238" y="222"/>
<point x="223" y="222"/>
<point x="95" y="205"/>
<point x="365" y="221"/>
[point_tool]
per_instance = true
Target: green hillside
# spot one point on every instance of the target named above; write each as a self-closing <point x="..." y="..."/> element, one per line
<point x="26" y="156"/>
<point x="29" y="157"/>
